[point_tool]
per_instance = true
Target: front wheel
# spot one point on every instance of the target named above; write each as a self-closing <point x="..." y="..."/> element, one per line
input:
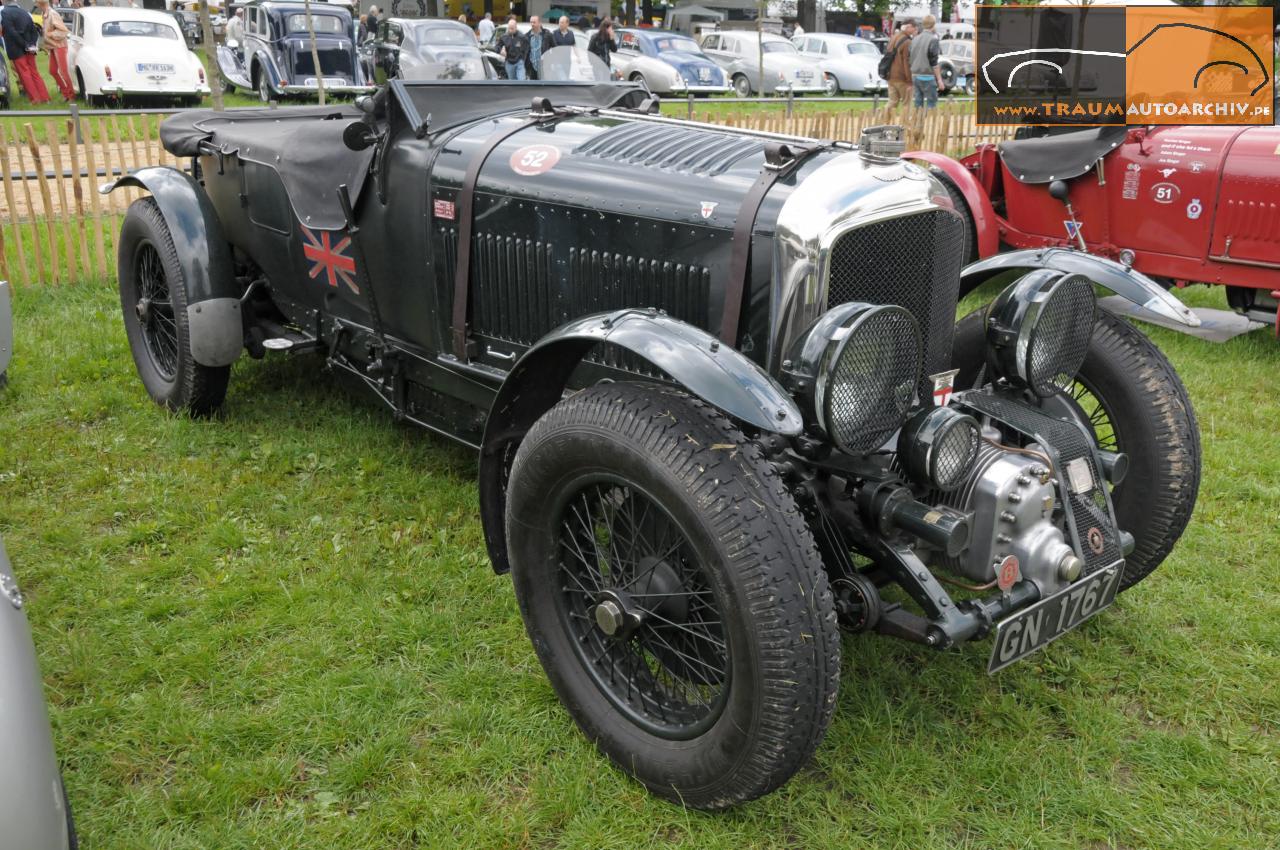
<point x="673" y="593"/>
<point x="1132" y="399"/>
<point x="742" y="86"/>
<point x="153" y="296"/>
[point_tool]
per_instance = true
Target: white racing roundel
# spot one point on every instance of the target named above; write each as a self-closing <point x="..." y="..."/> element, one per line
<point x="531" y="160"/>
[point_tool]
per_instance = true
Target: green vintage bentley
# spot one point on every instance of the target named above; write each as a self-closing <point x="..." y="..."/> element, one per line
<point x="714" y="378"/>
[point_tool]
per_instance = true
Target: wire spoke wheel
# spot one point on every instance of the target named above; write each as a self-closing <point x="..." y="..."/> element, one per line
<point x="1094" y="412"/>
<point x="646" y="623"/>
<point x="154" y="308"/>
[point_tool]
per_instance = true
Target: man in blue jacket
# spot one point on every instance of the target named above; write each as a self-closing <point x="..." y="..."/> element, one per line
<point x="20" y="37"/>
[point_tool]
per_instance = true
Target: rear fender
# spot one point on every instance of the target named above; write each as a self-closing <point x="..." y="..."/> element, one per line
<point x="984" y="216"/>
<point x="1122" y="280"/>
<point x="695" y="359"/>
<point x="213" y="297"/>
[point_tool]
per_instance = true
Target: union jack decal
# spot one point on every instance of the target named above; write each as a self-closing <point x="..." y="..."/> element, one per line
<point x="330" y="259"/>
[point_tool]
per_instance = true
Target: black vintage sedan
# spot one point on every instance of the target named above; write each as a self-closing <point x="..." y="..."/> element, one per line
<point x="713" y="378"/>
<point x="276" y="57"/>
<point x="424" y="49"/>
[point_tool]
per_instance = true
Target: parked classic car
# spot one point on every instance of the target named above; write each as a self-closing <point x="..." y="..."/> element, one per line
<point x="667" y="62"/>
<point x="424" y="49"/>
<point x="847" y="63"/>
<point x="276" y="57"/>
<point x="189" y="24"/>
<point x="711" y="376"/>
<point x="117" y="53"/>
<point x="33" y="800"/>
<point x="955" y="62"/>
<point x="738" y="53"/>
<point x="1180" y="204"/>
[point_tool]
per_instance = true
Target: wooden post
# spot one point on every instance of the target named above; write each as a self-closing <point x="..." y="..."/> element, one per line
<point x="99" y="253"/>
<point x="64" y="209"/>
<point x="13" y="209"/>
<point x="133" y="144"/>
<point x="77" y="194"/>
<point x="103" y="139"/>
<point x="48" y="201"/>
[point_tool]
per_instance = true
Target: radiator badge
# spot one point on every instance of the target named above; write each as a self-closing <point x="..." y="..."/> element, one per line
<point x="943" y="384"/>
<point x="708" y="207"/>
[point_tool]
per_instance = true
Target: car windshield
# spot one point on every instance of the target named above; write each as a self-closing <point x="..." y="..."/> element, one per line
<point x="862" y="48"/>
<point x="686" y="45"/>
<point x="779" y="47"/>
<point x="445" y="35"/>
<point x="331" y="24"/>
<point x="138" y="29"/>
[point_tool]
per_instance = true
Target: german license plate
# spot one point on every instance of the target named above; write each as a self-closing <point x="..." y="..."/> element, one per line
<point x="1023" y="633"/>
<point x="154" y="68"/>
<point x="311" y="83"/>
<point x="804" y="75"/>
<point x="960" y="81"/>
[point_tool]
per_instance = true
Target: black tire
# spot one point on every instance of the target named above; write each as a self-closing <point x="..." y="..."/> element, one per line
<point x="740" y="548"/>
<point x="1136" y="403"/>
<point x="970" y="252"/>
<point x="830" y="86"/>
<point x="264" y="88"/>
<point x="742" y="86"/>
<point x="73" y="840"/>
<point x="153" y="298"/>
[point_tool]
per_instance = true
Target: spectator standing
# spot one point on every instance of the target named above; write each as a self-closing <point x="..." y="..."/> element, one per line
<point x="900" y="67"/>
<point x="925" y="74"/>
<point x="602" y="43"/>
<point x="562" y="36"/>
<point x="539" y="43"/>
<point x="20" y="37"/>
<point x="371" y="25"/>
<point x="55" y="42"/>
<point x="235" y="27"/>
<point x="797" y="30"/>
<point x="485" y="28"/>
<point x="514" y="49"/>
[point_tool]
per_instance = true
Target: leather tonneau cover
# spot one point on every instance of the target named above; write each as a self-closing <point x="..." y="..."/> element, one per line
<point x="303" y="145"/>
<point x="1061" y="156"/>
<point x="449" y="103"/>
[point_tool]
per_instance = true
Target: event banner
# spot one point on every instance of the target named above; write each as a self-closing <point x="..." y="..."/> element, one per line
<point x="1090" y="65"/>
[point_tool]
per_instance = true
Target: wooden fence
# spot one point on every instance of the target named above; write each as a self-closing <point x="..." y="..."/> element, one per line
<point x="57" y="228"/>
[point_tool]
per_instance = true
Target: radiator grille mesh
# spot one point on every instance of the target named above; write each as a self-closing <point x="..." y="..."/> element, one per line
<point x="912" y="261"/>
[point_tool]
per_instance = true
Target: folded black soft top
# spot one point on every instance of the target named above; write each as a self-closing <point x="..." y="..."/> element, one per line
<point x="304" y="144"/>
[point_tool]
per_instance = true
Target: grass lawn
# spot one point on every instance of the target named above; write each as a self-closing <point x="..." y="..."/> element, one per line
<point x="280" y="630"/>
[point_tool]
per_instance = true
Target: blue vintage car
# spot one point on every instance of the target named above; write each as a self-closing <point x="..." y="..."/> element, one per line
<point x="667" y="63"/>
<point x="276" y="59"/>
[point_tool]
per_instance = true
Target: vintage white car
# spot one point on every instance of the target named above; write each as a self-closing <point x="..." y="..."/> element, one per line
<point x="118" y="52"/>
<point x="847" y="63"/>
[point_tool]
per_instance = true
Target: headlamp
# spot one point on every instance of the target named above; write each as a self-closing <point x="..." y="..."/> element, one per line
<point x="1038" y="330"/>
<point x="938" y="447"/>
<point x="857" y="368"/>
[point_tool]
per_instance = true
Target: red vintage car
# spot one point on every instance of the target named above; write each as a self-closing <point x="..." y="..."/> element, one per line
<point x="1177" y="204"/>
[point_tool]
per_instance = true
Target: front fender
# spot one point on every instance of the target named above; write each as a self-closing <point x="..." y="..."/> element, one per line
<point x="1123" y="281"/>
<point x="985" y="226"/>
<point x="693" y="358"/>
<point x="213" y="298"/>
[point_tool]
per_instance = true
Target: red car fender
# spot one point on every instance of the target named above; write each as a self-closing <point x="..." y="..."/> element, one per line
<point x="984" y="216"/>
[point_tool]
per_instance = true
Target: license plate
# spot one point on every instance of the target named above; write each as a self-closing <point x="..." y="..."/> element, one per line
<point x="804" y="75"/>
<point x="310" y="82"/>
<point x="154" y="68"/>
<point x="960" y="81"/>
<point x="1049" y="619"/>
<point x="704" y="74"/>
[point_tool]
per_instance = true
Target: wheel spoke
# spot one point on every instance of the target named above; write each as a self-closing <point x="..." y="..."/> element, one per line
<point x="664" y="659"/>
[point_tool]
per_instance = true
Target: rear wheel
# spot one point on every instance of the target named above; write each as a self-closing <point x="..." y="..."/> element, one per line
<point x="1130" y="396"/>
<point x="830" y="85"/>
<point x="153" y="297"/>
<point x="673" y="593"/>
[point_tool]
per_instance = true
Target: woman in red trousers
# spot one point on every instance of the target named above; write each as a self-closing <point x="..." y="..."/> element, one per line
<point x="55" y="41"/>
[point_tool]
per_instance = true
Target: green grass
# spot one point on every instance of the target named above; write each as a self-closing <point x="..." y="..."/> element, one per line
<point x="280" y="630"/>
